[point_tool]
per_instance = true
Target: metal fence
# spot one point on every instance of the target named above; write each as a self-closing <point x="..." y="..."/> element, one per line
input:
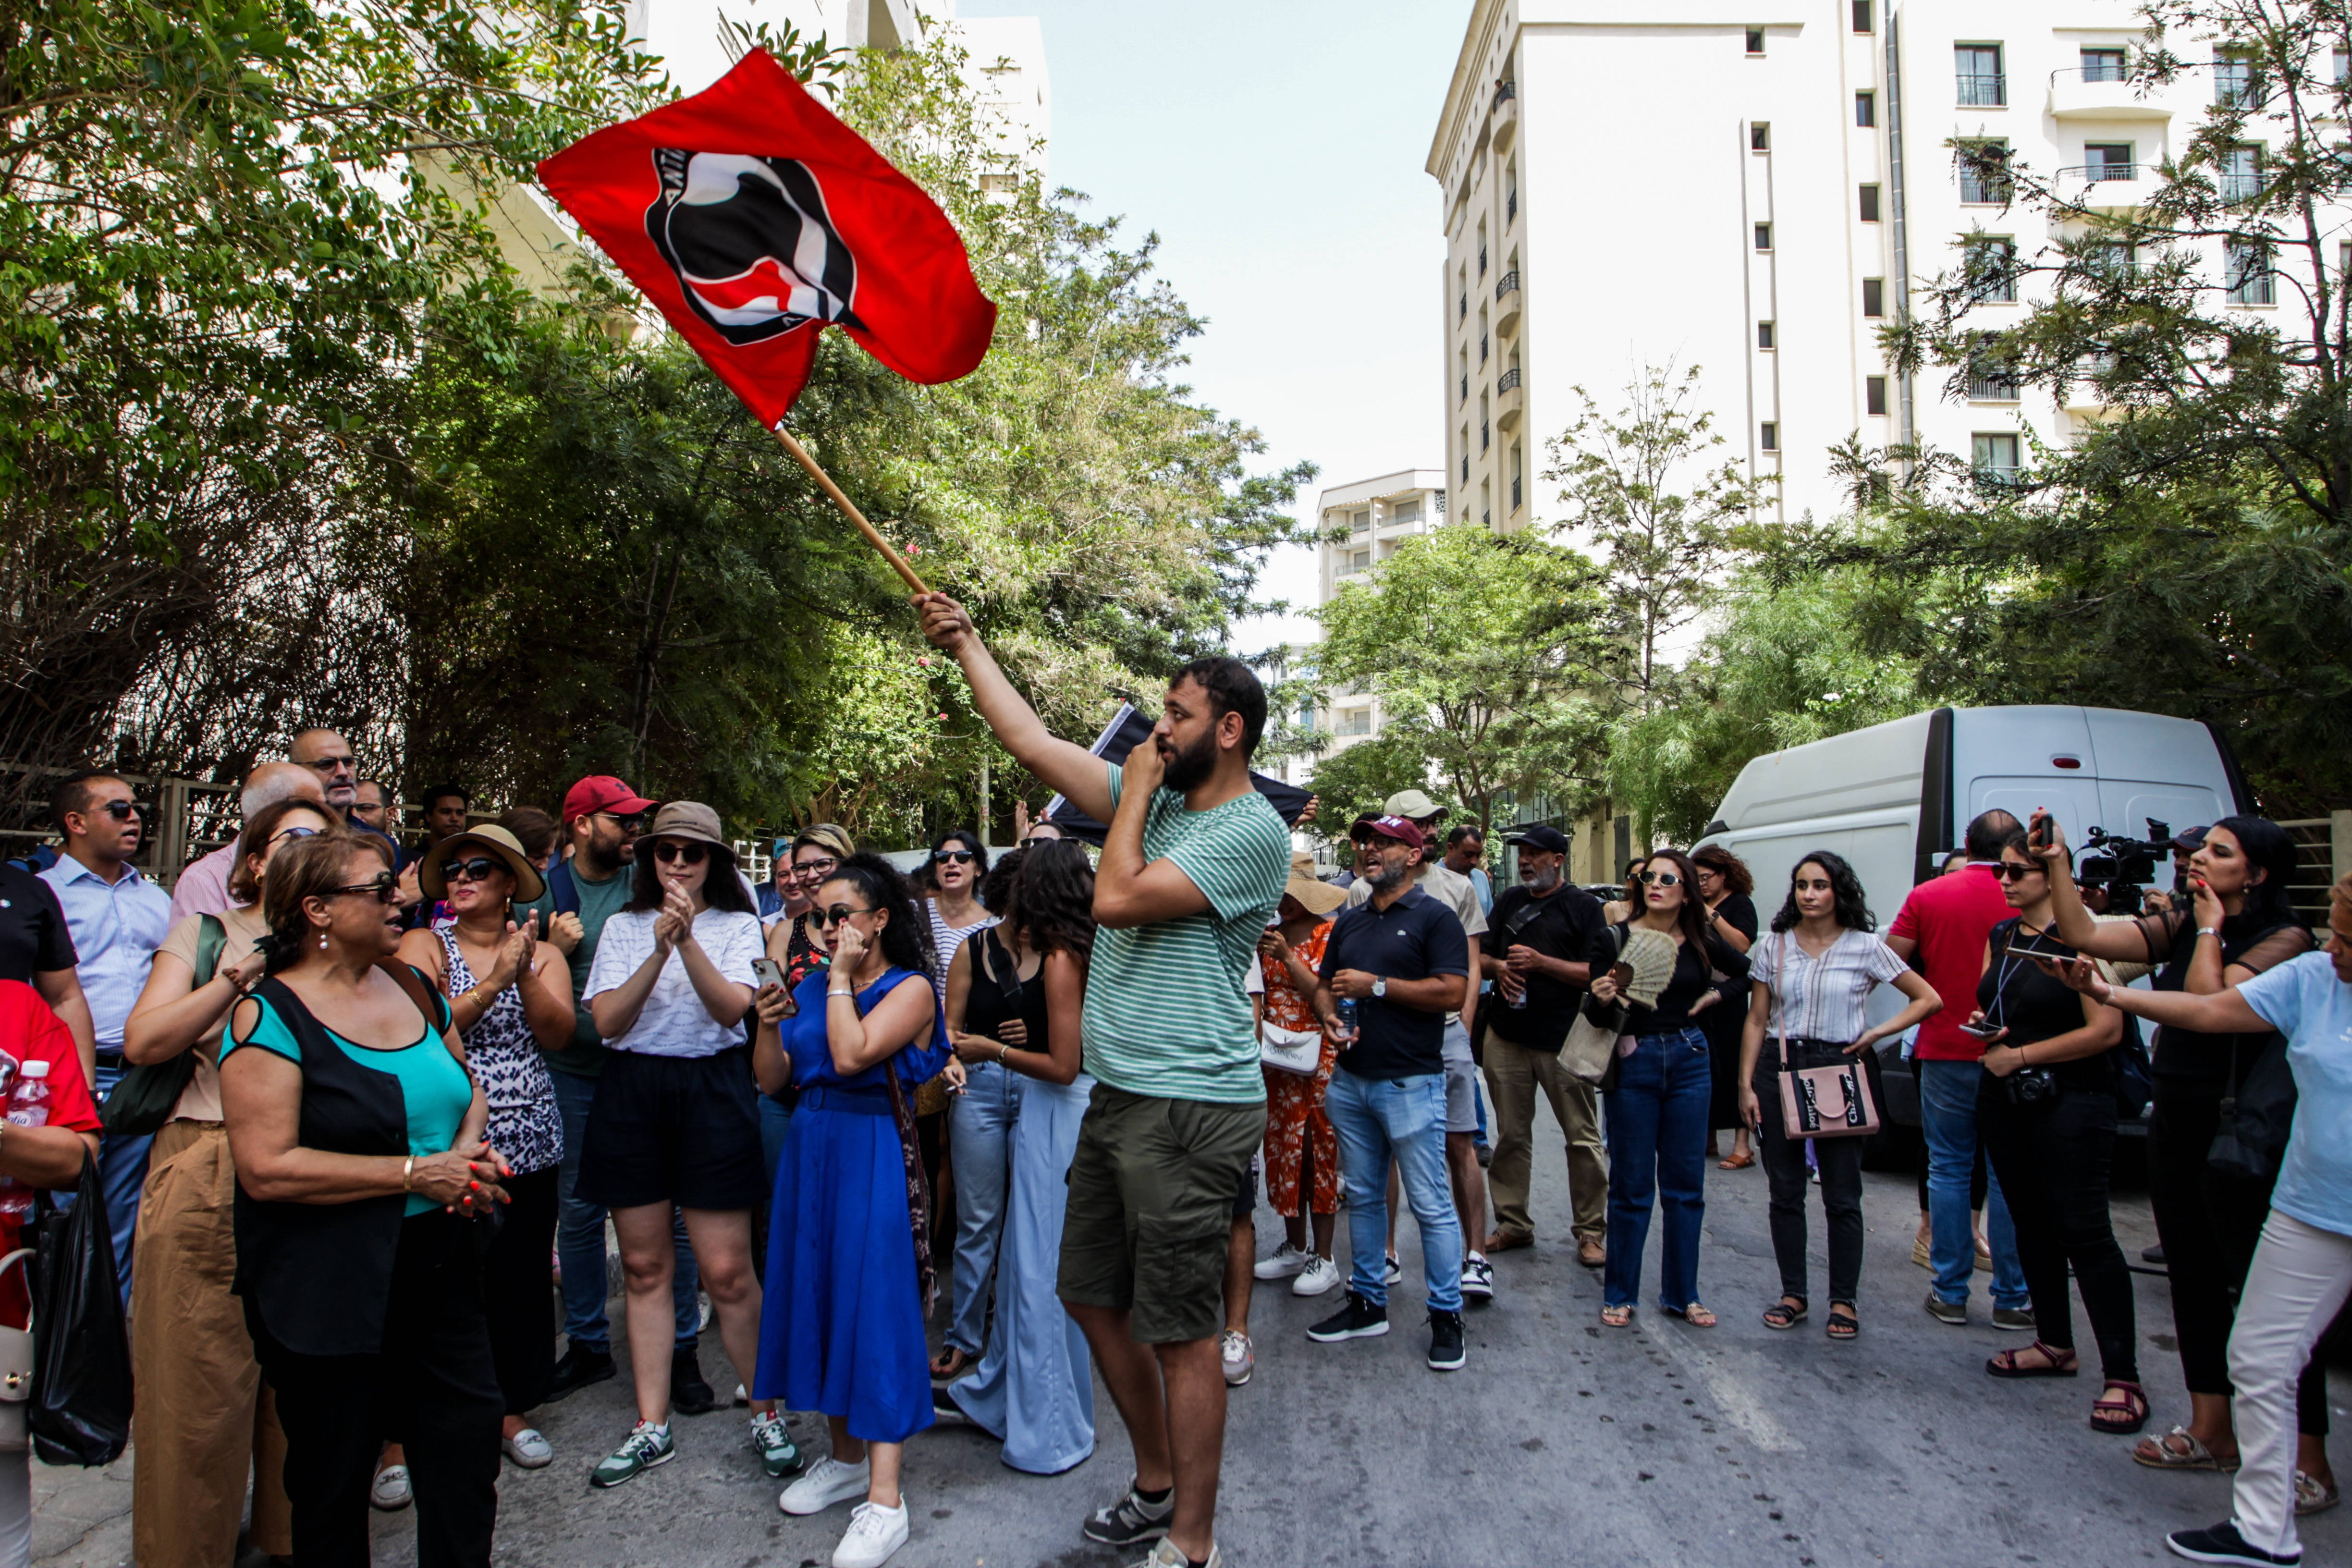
<point x="184" y="818"/>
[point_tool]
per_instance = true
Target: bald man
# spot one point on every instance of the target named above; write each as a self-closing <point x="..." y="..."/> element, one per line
<point x="203" y="888"/>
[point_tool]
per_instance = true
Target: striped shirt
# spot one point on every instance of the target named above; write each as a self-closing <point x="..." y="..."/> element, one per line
<point x="1167" y="1013"/>
<point x="1822" y="998"/>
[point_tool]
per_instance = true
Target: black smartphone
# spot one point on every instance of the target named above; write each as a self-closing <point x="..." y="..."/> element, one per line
<point x="2039" y="835"/>
<point x="1981" y="1031"/>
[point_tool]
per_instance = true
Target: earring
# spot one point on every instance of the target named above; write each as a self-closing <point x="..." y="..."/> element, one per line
<point x="323" y="941"/>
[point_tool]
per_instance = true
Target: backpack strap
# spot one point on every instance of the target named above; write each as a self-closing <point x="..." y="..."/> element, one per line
<point x="565" y="892"/>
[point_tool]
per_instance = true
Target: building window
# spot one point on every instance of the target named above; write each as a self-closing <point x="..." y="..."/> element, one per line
<point x="1862" y="16"/>
<point x="1763" y="237"/>
<point x="1354" y="722"/>
<point x="1360" y="521"/>
<point x="1770" y="435"/>
<point x="1865" y="109"/>
<point x="1980" y="80"/>
<point x="1516" y="477"/>
<point x="1991" y="262"/>
<point x="1759" y="137"/>
<point x="1996" y="457"/>
<point x="1482" y="249"/>
<point x="1510" y="193"/>
<point x="1487" y="503"/>
<point x="2234" y="79"/>
<point x="2248" y="264"/>
<point x="2108" y="160"/>
<point x="1874" y="296"/>
<point x="1486" y="438"/>
<point x="2242" y="172"/>
<point x="1755" y="40"/>
<point x="1874" y="394"/>
<point x="1764" y="335"/>
<point x="1869" y="203"/>
<point x="1405" y="511"/>
<point x="1465" y="454"/>
<point x="2103" y="65"/>
<point x="1984" y="173"/>
<point x="1990" y="379"/>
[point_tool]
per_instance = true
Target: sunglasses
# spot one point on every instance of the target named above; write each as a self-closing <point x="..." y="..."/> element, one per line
<point x="684" y="854"/>
<point x="1034" y="839"/>
<point x="293" y="833"/>
<point x="634" y="822"/>
<point x="331" y="764"/>
<point x="121" y="810"/>
<point x="473" y="870"/>
<point x="385" y="886"/>
<point x="1660" y="879"/>
<point x="2008" y="872"/>
<point x="837" y="915"/>
<point x="961" y="857"/>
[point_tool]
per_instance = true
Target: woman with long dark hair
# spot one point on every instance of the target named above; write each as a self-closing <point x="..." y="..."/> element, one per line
<point x="1724" y="886"/>
<point x="848" y="1243"/>
<point x="1035" y="1388"/>
<point x="676" y="1125"/>
<point x="2208" y="1223"/>
<point x="1657" y="1108"/>
<point x="1810" y="981"/>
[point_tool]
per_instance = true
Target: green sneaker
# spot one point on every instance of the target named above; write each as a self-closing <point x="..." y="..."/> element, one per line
<point x="778" y="1455"/>
<point x="646" y="1446"/>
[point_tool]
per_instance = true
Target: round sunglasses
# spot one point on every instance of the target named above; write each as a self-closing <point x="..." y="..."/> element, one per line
<point x="1660" y="879"/>
<point x="684" y="854"/>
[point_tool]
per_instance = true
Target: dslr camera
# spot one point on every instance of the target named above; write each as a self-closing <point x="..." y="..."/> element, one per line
<point x="2109" y="859"/>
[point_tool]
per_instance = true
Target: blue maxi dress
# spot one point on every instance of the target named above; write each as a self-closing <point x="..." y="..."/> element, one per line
<point x="841" y="1329"/>
<point x="1035" y="1389"/>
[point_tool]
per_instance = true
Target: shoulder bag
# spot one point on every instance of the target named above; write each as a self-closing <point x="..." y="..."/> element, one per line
<point x="17" y="1366"/>
<point x="910" y="1156"/>
<point x="144" y="1096"/>
<point x="1591" y="1049"/>
<point x="1825" y="1090"/>
<point x="2256" y="1115"/>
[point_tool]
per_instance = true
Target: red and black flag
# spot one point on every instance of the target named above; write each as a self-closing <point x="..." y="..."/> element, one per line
<point x="753" y="218"/>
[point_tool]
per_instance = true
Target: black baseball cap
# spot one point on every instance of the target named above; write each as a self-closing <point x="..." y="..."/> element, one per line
<point x="1538" y="836"/>
<point x="2190" y="839"/>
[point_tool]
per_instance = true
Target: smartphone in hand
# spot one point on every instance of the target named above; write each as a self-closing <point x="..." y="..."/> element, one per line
<point x="1980" y="1031"/>
<point x="769" y="973"/>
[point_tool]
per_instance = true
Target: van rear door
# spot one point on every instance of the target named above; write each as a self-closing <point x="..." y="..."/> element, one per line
<point x="2021" y="759"/>
<point x="2150" y="765"/>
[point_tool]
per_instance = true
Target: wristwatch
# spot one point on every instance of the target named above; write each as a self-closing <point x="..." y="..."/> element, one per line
<point x="1381" y="985"/>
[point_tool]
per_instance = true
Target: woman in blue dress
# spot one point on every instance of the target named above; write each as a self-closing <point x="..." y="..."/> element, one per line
<point x="1035" y="1388"/>
<point x="842" y="1332"/>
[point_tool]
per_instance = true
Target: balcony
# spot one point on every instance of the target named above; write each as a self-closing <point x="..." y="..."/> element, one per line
<point x="2100" y="92"/>
<point x="1982" y="89"/>
<point x="2107" y="187"/>
<point x="1510" y="400"/>
<point x="2082" y="397"/>
<point x="1506" y="301"/>
<point x="1507" y="115"/>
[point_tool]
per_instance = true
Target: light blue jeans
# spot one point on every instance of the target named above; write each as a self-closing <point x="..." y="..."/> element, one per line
<point x="580" y="1237"/>
<point x="1948" y="1117"/>
<point x="1404" y="1118"/>
<point x="980" y="1152"/>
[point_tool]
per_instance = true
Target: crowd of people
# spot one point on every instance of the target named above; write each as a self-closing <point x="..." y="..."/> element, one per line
<point x="366" y="1105"/>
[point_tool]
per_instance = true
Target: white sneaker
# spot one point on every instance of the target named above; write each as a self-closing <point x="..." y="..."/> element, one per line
<point x="1281" y="1263"/>
<point x="1477" y="1278"/>
<point x="828" y="1481"/>
<point x="1320" y="1275"/>
<point x="389" y="1492"/>
<point x="1163" y="1556"/>
<point x="874" y="1533"/>
<point x="1239" y="1359"/>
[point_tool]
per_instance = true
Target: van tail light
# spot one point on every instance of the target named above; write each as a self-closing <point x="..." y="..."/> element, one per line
<point x="2065" y="762"/>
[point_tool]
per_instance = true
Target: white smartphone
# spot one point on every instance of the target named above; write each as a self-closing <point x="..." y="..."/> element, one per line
<point x="771" y="972"/>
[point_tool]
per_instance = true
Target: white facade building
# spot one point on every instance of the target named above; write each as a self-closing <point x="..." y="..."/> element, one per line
<point x="1361" y="525"/>
<point x="1756" y="191"/>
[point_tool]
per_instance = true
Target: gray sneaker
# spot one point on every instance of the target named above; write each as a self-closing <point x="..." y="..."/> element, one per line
<point x="2013" y="1318"/>
<point x="1953" y="1312"/>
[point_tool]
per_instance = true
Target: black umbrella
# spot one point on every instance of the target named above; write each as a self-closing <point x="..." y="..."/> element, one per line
<point x="1127" y="729"/>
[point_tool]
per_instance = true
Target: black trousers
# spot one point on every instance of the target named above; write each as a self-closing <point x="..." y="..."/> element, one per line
<point x="2210" y="1224"/>
<point x="2053" y="1158"/>
<point x="1785" y="1176"/>
<point x="432" y="1388"/>
<point x="519" y="1292"/>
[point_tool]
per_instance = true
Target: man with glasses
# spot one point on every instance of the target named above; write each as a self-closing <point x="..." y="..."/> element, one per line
<point x="329" y="758"/>
<point x="602" y="818"/>
<point x="368" y="806"/>
<point x="117" y="919"/>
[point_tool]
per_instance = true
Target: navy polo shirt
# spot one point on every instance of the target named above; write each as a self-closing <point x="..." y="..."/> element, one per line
<point x="1412" y="939"/>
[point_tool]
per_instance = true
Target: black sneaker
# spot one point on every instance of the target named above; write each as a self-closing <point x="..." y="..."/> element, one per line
<point x="577" y="1368"/>
<point x="1445" y="1351"/>
<point x="1131" y="1521"/>
<point x="688" y="1394"/>
<point x="2222" y="1543"/>
<point x="1356" y="1319"/>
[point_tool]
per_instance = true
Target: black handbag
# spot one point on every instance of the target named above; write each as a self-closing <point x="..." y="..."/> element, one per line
<point x="144" y="1096"/>
<point x="2256" y="1115"/>
<point x="81" y="1410"/>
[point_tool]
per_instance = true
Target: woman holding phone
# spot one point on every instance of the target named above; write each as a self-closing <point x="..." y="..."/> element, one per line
<point x="1808" y="984"/>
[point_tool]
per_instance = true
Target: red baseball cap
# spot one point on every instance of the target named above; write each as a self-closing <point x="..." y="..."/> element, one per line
<point x="1402" y="829"/>
<point x="602" y="792"/>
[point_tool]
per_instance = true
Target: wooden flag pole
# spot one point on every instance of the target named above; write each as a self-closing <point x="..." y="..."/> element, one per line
<point x="873" y="535"/>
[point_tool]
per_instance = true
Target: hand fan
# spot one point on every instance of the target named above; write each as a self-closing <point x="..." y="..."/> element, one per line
<point x="1650" y="954"/>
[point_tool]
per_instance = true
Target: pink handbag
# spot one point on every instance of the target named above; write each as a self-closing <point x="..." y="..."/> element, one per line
<point x="1824" y="1092"/>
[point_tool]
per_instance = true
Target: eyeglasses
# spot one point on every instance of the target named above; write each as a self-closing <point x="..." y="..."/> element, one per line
<point x="342" y="764"/>
<point x="684" y="854"/>
<point x="837" y="915"/>
<point x="385" y="886"/>
<point x="473" y="870"/>
<point x="2009" y="871"/>
<point x="121" y="810"/>
<point x="815" y="868"/>
<point x="961" y="857"/>
<point x="1660" y="879"/>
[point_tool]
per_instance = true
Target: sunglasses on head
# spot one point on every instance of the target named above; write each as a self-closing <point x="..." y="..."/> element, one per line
<point x="961" y="857"/>
<point x="1660" y="879"/>
<point x="473" y="870"/>
<point x="384" y="886"/>
<point x="684" y="854"/>
<point x="837" y="915"/>
<point x="295" y="832"/>
<point x="2010" y="871"/>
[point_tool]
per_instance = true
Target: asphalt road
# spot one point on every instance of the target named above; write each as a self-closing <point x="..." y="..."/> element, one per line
<point x="1561" y="1442"/>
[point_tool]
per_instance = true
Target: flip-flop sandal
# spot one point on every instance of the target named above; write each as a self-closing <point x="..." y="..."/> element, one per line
<point x="2313" y="1496"/>
<point x="1781" y="1315"/>
<point x="1616" y="1317"/>
<point x="951" y="1364"/>
<point x="1844" y="1325"/>
<point x="2006" y="1364"/>
<point x="1690" y="1314"/>
<point x="2121" y="1418"/>
<point x="2189" y="1455"/>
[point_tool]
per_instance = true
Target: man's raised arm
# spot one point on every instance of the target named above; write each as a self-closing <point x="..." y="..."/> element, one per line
<point x="1069" y="768"/>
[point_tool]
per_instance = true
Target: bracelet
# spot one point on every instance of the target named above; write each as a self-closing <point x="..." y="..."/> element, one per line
<point x="2214" y="931"/>
<point x="839" y="991"/>
<point x="407" y="1173"/>
<point x="1003" y="1051"/>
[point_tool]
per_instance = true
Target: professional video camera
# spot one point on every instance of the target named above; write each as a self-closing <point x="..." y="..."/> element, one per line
<point x="2108" y="858"/>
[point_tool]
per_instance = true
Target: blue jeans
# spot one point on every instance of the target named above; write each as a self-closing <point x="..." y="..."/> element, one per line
<point x="1404" y="1118"/>
<point x="122" y="1174"/>
<point x="775" y="1126"/>
<point x="580" y="1237"/>
<point x="1657" y="1154"/>
<point x="979" y="1151"/>
<point x="1948" y="1117"/>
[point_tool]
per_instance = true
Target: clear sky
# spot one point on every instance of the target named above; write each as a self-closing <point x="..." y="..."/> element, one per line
<point x="1275" y="146"/>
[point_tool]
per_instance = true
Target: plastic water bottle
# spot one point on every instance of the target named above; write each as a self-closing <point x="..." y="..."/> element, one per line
<point x="28" y="1106"/>
<point x="1346" y="1012"/>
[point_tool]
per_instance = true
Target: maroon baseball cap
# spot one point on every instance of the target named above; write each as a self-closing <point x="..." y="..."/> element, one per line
<point x="602" y="792"/>
<point x="1403" y="830"/>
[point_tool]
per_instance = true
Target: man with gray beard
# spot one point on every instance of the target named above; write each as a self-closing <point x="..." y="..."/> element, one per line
<point x="1536" y="947"/>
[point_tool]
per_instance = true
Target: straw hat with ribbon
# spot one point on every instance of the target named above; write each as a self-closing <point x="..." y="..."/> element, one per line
<point x="488" y="839"/>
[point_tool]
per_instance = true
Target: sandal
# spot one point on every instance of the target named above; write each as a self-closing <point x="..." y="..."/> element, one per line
<point x="1738" y="1162"/>
<point x="951" y="1364"/>
<point x="1785" y="1313"/>
<point x="1698" y="1314"/>
<point x="2053" y="1363"/>
<point x="1844" y="1325"/>
<point x="2312" y="1495"/>
<point x="2179" y="1450"/>
<point x="1616" y="1317"/>
<point x="2121" y="1417"/>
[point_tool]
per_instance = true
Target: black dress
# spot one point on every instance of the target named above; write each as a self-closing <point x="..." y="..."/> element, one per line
<point x="1724" y="1022"/>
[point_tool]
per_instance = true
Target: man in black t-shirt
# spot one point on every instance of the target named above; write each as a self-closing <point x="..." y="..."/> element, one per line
<point x="1401" y="958"/>
<point x="1536" y="944"/>
<point x="37" y="947"/>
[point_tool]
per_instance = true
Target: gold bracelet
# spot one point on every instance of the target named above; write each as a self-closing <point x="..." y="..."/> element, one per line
<point x="407" y="1173"/>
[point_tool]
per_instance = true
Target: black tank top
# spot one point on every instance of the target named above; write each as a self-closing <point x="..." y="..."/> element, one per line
<point x="2033" y="1006"/>
<point x="998" y="993"/>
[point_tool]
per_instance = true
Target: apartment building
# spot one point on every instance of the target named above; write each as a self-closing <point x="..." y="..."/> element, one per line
<point x="1361" y="525"/>
<point x="1756" y="190"/>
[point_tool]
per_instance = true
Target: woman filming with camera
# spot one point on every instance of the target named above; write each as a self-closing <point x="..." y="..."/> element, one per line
<point x="2046" y="1111"/>
<point x="2208" y="1221"/>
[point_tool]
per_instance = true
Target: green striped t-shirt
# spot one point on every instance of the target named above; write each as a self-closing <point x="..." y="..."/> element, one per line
<point x="1166" y="1013"/>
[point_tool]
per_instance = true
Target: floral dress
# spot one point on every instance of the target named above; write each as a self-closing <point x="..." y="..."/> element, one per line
<point x="506" y="1060"/>
<point x="1294" y="1103"/>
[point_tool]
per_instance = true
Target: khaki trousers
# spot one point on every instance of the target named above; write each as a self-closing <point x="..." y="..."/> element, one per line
<point x="1514" y="1073"/>
<point x="203" y="1416"/>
